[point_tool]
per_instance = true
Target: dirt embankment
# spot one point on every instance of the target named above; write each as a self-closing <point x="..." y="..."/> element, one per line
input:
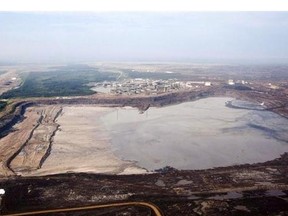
<point x="13" y="116"/>
<point x="141" y="102"/>
<point x="34" y="152"/>
<point x="28" y="141"/>
<point x="11" y="143"/>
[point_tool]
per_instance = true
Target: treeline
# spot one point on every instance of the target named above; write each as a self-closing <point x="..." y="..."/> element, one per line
<point x="61" y="82"/>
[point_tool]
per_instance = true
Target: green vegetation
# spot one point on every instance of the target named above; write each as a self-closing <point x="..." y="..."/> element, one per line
<point x="61" y="81"/>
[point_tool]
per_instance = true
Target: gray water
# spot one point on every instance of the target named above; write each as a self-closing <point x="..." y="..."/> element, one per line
<point x="196" y="135"/>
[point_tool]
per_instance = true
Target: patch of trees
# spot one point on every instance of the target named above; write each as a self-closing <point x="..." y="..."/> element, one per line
<point x="62" y="82"/>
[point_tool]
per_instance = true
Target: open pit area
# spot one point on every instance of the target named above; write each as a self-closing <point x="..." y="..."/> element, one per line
<point x="59" y="152"/>
<point x="62" y="157"/>
<point x="56" y="139"/>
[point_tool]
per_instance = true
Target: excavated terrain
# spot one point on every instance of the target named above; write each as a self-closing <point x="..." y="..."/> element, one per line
<point x="28" y="143"/>
<point x="27" y="131"/>
<point x="37" y="148"/>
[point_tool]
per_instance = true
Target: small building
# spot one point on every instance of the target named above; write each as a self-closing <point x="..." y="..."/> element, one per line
<point x="231" y="82"/>
<point x="244" y="82"/>
<point x="207" y="84"/>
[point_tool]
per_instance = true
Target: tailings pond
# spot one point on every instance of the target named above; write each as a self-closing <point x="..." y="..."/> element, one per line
<point x="196" y="135"/>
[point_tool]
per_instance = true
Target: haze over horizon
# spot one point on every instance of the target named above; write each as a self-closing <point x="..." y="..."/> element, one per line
<point x="143" y="36"/>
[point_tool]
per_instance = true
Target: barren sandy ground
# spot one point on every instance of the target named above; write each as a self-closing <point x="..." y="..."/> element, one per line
<point x="82" y="145"/>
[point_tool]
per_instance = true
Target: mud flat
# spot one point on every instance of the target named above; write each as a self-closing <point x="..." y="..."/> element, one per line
<point x="82" y="144"/>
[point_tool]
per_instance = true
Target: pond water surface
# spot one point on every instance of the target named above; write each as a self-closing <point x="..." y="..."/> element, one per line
<point x="196" y="135"/>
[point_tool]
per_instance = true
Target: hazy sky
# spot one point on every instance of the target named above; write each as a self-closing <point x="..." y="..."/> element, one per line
<point x="116" y="36"/>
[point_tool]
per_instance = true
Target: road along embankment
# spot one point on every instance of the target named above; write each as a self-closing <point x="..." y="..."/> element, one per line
<point x="140" y="102"/>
